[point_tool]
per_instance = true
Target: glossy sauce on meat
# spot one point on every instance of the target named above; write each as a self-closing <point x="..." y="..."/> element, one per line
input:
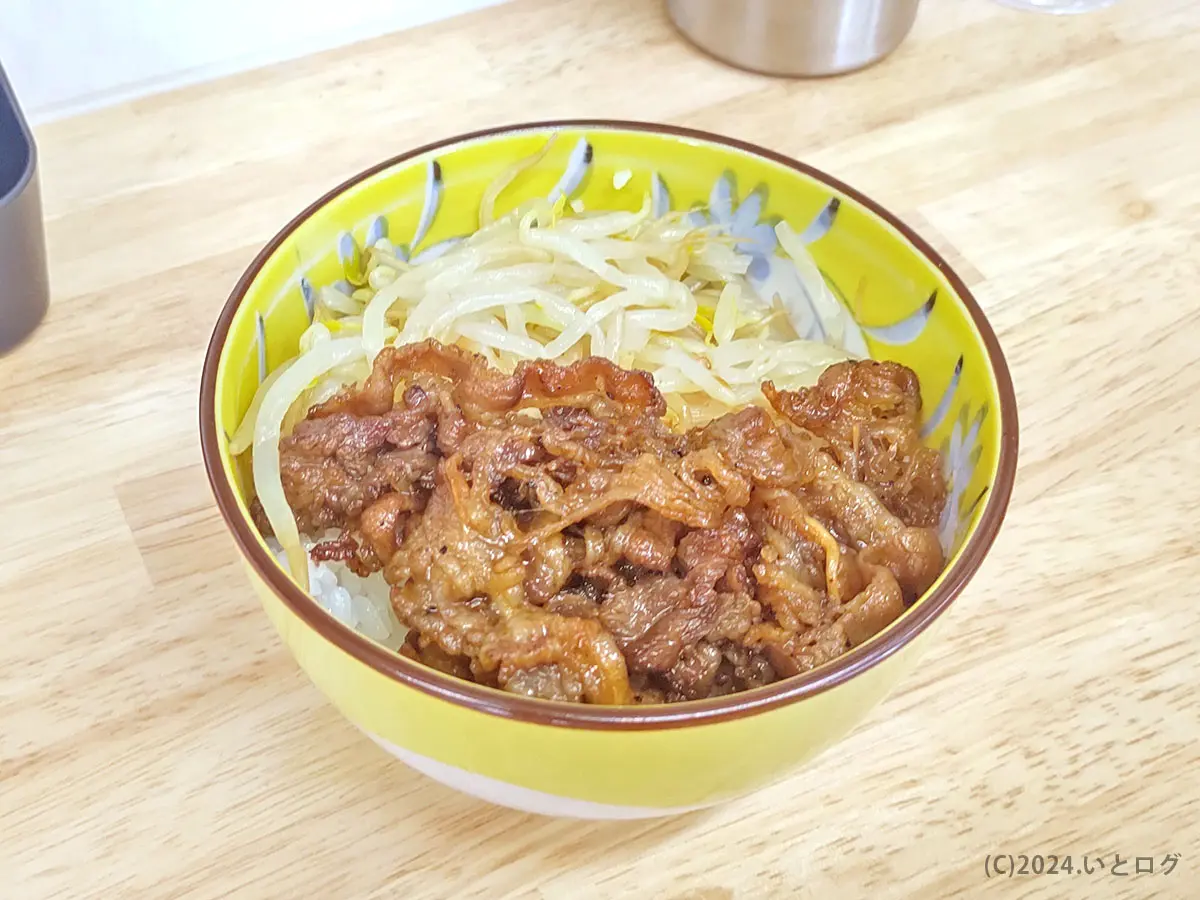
<point x="546" y="532"/>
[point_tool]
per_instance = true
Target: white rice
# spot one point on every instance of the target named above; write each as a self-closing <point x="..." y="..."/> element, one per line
<point x="361" y="603"/>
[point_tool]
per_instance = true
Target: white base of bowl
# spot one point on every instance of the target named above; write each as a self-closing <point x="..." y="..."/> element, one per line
<point x="527" y="800"/>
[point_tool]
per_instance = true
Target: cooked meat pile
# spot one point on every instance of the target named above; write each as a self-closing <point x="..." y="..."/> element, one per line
<point x="547" y="533"/>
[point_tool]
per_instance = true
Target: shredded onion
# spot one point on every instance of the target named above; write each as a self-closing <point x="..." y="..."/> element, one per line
<point x="244" y="436"/>
<point x="487" y="204"/>
<point x="825" y="305"/>
<point x="547" y="280"/>
<point x="278" y="399"/>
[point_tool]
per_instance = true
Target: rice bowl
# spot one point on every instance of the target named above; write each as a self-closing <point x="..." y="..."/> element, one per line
<point x="904" y="302"/>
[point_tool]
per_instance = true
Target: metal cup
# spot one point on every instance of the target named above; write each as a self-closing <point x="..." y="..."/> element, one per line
<point x="24" y="282"/>
<point x="795" y="37"/>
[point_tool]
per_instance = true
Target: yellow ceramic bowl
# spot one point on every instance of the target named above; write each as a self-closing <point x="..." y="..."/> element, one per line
<point x="589" y="761"/>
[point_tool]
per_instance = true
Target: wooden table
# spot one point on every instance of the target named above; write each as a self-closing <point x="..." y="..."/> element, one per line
<point x="158" y="742"/>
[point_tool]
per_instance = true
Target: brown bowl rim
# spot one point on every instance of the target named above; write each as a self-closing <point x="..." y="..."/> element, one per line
<point x="543" y="712"/>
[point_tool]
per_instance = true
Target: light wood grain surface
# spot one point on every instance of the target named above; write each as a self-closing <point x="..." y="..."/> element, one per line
<point x="157" y="741"/>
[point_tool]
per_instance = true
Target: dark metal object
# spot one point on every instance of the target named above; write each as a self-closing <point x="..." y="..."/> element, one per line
<point x="24" y="281"/>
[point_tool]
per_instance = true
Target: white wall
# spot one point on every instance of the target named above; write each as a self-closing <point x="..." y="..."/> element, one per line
<point x="66" y="56"/>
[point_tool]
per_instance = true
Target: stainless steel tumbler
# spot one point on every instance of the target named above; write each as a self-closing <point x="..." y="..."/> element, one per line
<point x="24" y="282"/>
<point x="795" y="37"/>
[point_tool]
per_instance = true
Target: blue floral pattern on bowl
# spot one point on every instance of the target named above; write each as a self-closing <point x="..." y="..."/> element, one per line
<point x="742" y="220"/>
<point x="960" y="455"/>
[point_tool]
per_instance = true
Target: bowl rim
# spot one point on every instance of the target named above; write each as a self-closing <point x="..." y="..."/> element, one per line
<point x="492" y="701"/>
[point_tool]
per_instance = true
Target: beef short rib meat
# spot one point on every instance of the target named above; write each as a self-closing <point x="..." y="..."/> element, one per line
<point x="546" y="533"/>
